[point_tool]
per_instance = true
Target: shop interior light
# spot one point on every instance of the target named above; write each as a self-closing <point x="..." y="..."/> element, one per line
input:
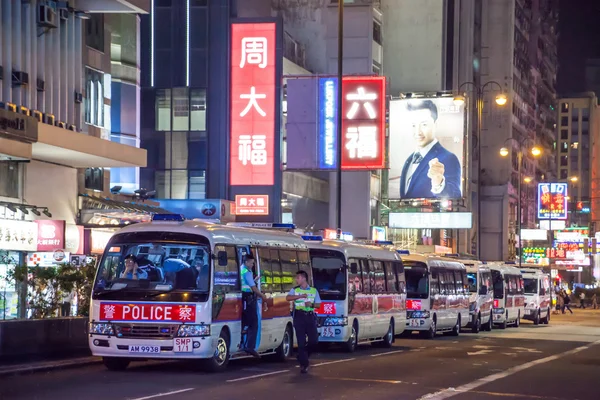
<point x="35" y="211"/>
<point x="47" y="213"/>
<point x="11" y="208"/>
<point x="459" y="100"/>
<point x="23" y="210"/>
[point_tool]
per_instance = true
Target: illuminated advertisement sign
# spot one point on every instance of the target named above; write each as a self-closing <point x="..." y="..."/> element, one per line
<point x="425" y="220"/>
<point x="552" y="200"/>
<point x="252" y="204"/>
<point x="535" y="255"/>
<point x="253" y="72"/>
<point x="51" y="235"/>
<point x="426" y="152"/>
<point x="378" y="233"/>
<point x="534" y="234"/>
<point x="328" y="123"/>
<point x="332" y="234"/>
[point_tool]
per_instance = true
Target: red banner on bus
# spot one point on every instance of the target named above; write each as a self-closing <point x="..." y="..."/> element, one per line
<point x="147" y="312"/>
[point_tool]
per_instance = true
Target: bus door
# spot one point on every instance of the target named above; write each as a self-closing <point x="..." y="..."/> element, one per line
<point x="242" y="252"/>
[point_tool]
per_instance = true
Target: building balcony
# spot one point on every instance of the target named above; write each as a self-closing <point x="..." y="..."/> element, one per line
<point x="114" y="6"/>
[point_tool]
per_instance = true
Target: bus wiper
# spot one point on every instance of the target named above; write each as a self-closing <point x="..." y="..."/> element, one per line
<point x="151" y="295"/>
<point x="106" y="291"/>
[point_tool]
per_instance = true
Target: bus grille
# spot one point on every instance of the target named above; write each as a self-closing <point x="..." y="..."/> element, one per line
<point x="146" y="331"/>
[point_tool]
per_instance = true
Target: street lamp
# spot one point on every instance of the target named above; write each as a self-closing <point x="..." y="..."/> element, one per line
<point x="459" y="100"/>
<point x="536" y="152"/>
<point x="574" y="179"/>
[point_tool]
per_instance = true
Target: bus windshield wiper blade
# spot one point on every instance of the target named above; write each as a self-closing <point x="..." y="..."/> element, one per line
<point x="106" y="291"/>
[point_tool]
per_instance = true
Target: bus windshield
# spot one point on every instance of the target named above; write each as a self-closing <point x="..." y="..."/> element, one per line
<point x="472" y="278"/>
<point x="417" y="286"/>
<point x="329" y="273"/>
<point x="153" y="269"/>
<point x="531" y="286"/>
<point x="498" y="284"/>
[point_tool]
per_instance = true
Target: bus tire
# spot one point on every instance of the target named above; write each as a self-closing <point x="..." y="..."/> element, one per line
<point x="388" y="339"/>
<point x="352" y="343"/>
<point x="504" y="324"/>
<point x="430" y="334"/>
<point x="456" y="330"/>
<point x="218" y="362"/>
<point x="115" y="363"/>
<point x="476" y="324"/>
<point x="284" y="350"/>
<point x="546" y="320"/>
<point x="536" y="319"/>
<point x="490" y="325"/>
<point x="518" y="320"/>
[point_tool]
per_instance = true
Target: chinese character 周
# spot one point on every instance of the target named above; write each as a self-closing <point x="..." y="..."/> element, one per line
<point x="254" y="52"/>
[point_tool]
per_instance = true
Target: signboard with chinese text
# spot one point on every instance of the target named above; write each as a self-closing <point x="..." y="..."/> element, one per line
<point x="18" y="235"/>
<point x="51" y="235"/>
<point x="328" y="109"/>
<point x="534" y="234"/>
<point x="251" y="204"/>
<point x="425" y="220"/>
<point x="147" y="312"/>
<point x="47" y="258"/>
<point x="253" y="104"/>
<point x="427" y="147"/>
<point x="552" y="200"/>
<point x="535" y="255"/>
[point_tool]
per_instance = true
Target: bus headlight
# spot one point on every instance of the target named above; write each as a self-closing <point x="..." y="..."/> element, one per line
<point x="335" y="321"/>
<point x="418" y="314"/>
<point x="101" y="329"/>
<point x="193" y="330"/>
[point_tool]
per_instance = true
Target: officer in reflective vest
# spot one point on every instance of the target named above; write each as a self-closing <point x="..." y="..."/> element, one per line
<point x="249" y="297"/>
<point x="305" y="299"/>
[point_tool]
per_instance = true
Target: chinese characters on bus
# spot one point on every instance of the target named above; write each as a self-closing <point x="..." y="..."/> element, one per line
<point x="252" y="159"/>
<point x="552" y="201"/>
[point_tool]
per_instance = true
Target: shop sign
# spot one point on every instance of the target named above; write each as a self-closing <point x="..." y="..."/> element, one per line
<point x="252" y="204"/>
<point x="51" y="235"/>
<point x="552" y="201"/>
<point x="18" y="126"/>
<point x="99" y="240"/>
<point x="18" y="235"/>
<point x="47" y="258"/>
<point x="74" y="239"/>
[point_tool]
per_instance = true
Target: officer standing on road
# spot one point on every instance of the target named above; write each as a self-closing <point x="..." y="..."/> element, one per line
<point x="249" y="297"/>
<point x="305" y="299"/>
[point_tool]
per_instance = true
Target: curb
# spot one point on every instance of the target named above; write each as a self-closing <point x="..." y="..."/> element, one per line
<point x="48" y="366"/>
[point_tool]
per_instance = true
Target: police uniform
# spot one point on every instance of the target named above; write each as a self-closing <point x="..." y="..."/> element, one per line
<point x="305" y="322"/>
<point x="249" y="315"/>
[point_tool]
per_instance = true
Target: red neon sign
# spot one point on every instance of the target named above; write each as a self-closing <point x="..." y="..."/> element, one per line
<point x="252" y="204"/>
<point x="252" y="149"/>
<point x="413" y="305"/>
<point x="363" y="123"/>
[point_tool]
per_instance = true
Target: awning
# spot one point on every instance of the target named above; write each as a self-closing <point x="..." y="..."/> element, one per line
<point x="105" y="212"/>
<point x="107" y="205"/>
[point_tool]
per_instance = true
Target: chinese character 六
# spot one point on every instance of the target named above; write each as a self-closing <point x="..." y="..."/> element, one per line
<point x="109" y="311"/>
<point x="254" y="52"/>
<point x="252" y="103"/>
<point x="253" y="149"/>
<point x="185" y="313"/>
<point x="361" y="97"/>
<point x="362" y="142"/>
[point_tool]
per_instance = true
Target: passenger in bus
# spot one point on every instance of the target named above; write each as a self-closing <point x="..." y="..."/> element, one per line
<point x="132" y="269"/>
<point x="250" y="292"/>
<point x="202" y="273"/>
<point x="154" y="274"/>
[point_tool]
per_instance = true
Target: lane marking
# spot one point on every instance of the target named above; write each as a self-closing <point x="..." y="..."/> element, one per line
<point x="164" y="394"/>
<point x="480" y="352"/>
<point x="257" y="376"/>
<point x="386" y="353"/>
<point x="451" y="392"/>
<point x="521" y="396"/>
<point x="334" y="362"/>
<point x="362" y="380"/>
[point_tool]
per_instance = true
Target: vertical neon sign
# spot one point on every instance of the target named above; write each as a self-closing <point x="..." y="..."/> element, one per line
<point x="328" y="109"/>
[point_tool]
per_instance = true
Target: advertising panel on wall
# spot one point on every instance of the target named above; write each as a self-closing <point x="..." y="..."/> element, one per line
<point x="431" y="220"/>
<point x="253" y="103"/>
<point x="51" y="235"/>
<point x="552" y="200"/>
<point x="18" y="235"/>
<point x="252" y="204"/>
<point x="426" y="148"/>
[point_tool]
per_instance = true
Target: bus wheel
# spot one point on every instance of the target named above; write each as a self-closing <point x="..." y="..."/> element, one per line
<point x="536" y="319"/>
<point x="518" y="320"/>
<point x="476" y="324"/>
<point x="218" y="362"/>
<point x="490" y="325"/>
<point x="456" y="330"/>
<point x="546" y="320"/>
<point x="352" y="342"/>
<point x="115" y="363"/>
<point x="287" y="344"/>
<point x="430" y="334"/>
<point x="388" y="339"/>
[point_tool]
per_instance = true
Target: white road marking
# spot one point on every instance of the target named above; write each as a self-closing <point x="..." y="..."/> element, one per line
<point x="334" y="362"/>
<point x="479" y="346"/>
<point x="479" y="353"/>
<point x="164" y="394"/>
<point x="386" y="353"/>
<point x="451" y="392"/>
<point x="257" y="376"/>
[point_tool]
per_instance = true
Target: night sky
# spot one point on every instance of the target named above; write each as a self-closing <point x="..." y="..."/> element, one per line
<point x="579" y="30"/>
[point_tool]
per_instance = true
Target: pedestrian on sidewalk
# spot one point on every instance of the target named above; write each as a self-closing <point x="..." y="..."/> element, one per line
<point x="582" y="300"/>
<point x="567" y="301"/>
<point x="305" y="300"/>
<point x="594" y="301"/>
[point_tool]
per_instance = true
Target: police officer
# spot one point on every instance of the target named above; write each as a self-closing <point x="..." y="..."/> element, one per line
<point x="249" y="296"/>
<point x="305" y="299"/>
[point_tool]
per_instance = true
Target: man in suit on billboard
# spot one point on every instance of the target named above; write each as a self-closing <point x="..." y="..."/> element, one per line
<point x="431" y="171"/>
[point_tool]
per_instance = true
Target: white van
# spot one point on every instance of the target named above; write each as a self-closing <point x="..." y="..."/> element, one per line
<point x="479" y="279"/>
<point x="509" y="299"/>
<point x="538" y="295"/>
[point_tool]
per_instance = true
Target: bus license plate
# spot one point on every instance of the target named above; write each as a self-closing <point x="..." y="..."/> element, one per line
<point x="144" y="349"/>
<point x="182" y="345"/>
<point x="416" y="322"/>
<point x="328" y="332"/>
<point x="527" y="312"/>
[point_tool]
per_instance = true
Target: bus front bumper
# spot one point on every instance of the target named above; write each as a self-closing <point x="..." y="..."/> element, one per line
<point x="111" y="346"/>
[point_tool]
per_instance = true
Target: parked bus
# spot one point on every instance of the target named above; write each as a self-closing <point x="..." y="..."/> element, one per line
<point x="362" y="291"/>
<point x="437" y="295"/>
<point x="187" y="301"/>
<point x="538" y="295"/>
<point x="509" y="298"/>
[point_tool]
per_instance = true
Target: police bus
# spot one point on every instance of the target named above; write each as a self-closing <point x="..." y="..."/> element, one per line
<point x="437" y="295"/>
<point x="362" y="292"/>
<point x="509" y="297"/>
<point x="185" y="300"/>
<point x="538" y="295"/>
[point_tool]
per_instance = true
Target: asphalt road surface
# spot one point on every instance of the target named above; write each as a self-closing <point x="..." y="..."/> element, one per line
<point x="559" y="361"/>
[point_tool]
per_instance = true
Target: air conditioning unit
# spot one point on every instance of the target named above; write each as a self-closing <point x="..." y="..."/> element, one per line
<point x="38" y="115"/>
<point x="78" y="97"/>
<point x="41" y="85"/>
<point x="20" y="78"/>
<point x="46" y="17"/>
<point x="24" y="110"/>
<point x="72" y="128"/>
<point x="64" y="14"/>
<point x="49" y="119"/>
<point x="61" y="125"/>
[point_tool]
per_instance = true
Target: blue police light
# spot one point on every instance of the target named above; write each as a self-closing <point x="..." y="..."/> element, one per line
<point x="168" y="217"/>
<point x="312" y="238"/>
<point x="284" y="226"/>
<point x="451" y="255"/>
<point x="510" y="262"/>
<point x="384" y="242"/>
<point x="406" y="252"/>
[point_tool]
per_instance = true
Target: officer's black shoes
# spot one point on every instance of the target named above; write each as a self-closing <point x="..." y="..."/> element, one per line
<point x="304" y="370"/>
<point x="252" y="352"/>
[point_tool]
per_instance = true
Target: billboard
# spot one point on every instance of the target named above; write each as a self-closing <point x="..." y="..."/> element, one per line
<point x="252" y="204"/>
<point x="426" y="148"/>
<point x="431" y="220"/>
<point x="51" y="235"/>
<point x="552" y="200"/>
<point x="253" y="105"/>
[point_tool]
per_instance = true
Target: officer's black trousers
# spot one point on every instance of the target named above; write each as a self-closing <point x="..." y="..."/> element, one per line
<point x="305" y="325"/>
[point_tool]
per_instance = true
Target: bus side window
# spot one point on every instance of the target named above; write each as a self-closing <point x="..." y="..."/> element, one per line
<point x="391" y="280"/>
<point x="434" y="282"/>
<point x="377" y="276"/>
<point x="276" y="271"/>
<point x="289" y="267"/>
<point x="354" y="279"/>
<point x="449" y="282"/>
<point x="465" y="282"/>
<point x="227" y="278"/>
<point x="365" y="276"/>
<point x="459" y="285"/>
<point x="266" y="273"/>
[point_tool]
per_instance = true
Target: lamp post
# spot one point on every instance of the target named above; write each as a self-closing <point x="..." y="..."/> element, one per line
<point x="340" y="72"/>
<point x="459" y="100"/>
<point x="536" y="152"/>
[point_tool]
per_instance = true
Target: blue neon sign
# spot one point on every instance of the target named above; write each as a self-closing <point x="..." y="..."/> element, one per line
<point x="328" y="123"/>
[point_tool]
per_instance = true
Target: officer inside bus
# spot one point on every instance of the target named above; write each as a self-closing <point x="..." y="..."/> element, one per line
<point x="250" y="293"/>
<point x="305" y="299"/>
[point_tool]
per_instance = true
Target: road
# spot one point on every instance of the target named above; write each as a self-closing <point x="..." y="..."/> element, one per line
<point x="559" y="361"/>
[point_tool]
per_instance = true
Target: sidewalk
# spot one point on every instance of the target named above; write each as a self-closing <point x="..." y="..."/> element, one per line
<point x="46" y="365"/>
<point x="580" y="317"/>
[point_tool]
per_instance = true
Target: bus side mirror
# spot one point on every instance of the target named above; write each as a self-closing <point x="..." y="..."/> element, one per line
<point x="222" y="258"/>
<point x="483" y="290"/>
<point x="354" y="268"/>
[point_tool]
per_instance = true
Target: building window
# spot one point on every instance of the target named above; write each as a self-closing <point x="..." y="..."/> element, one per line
<point x="564" y="161"/>
<point x="94" y="32"/>
<point x="377" y="36"/>
<point x="564" y="173"/>
<point x="163" y="110"/>
<point x="197" y="184"/>
<point x="94" y="179"/>
<point x="9" y="179"/>
<point x="376" y="70"/>
<point x="564" y="121"/>
<point x="564" y="134"/>
<point x="564" y="107"/>
<point x="564" y="147"/>
<point x="198" y="110"/>
<point x="94" y="97"/>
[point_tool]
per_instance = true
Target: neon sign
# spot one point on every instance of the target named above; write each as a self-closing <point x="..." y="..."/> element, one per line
<point x="552" y="201"/>
<point x="328" y="123"/>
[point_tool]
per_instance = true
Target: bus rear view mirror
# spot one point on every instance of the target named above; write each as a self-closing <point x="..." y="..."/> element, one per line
<point x="354" y="268"/>
<point x="483" y="290"/>
<point x="222" y="258"/>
